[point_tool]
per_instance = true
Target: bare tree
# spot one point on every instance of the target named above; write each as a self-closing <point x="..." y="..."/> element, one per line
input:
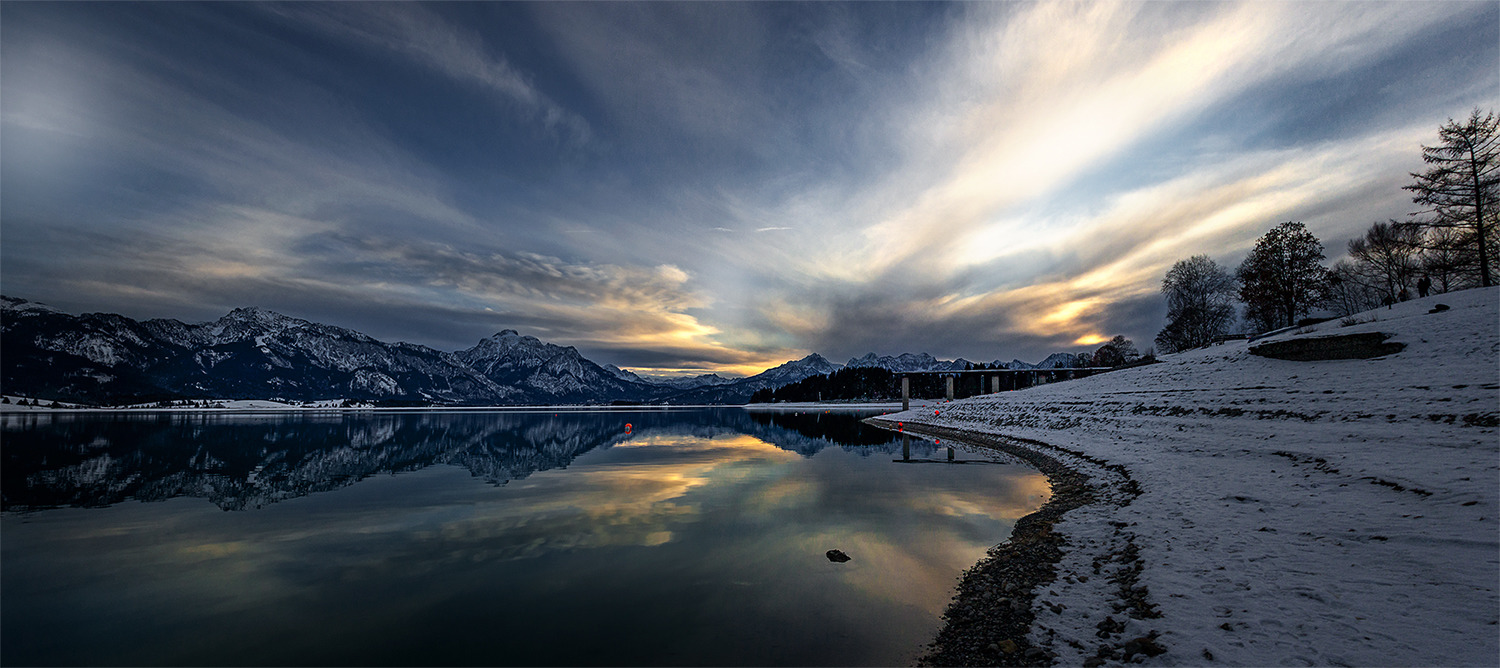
<point x="1462" y="186"/>
<point x="1444" y="257"/>
<point x="1387" y="255"/>
<point x="1200" y="304"/>
<point x="1349" y="290"/>
<point x="1283" y="277"/>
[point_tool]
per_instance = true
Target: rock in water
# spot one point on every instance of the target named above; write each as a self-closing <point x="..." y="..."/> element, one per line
<point x="837" y="556"/>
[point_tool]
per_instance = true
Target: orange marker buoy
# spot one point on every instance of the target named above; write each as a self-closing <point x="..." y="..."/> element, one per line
<point x="627" y="427"/>
<point x="934" y="412"/>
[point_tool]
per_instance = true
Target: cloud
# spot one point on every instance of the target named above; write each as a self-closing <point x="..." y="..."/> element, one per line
<point x="418" y="33"/>
<point x="984" y="180"/>
<point x="1062" y="88"/>
<point x="1063" y="155"/>
<point x="1100" y="270"/>
<point x="688" y="67"/>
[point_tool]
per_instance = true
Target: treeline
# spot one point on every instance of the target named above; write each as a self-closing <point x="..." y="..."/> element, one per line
<point x="877" y="384"/>
<point x="857" y="384"/>
<point x="1449" y="245"/>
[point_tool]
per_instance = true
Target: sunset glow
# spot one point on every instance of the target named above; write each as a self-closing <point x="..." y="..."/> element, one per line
<point x="716" y="187"/>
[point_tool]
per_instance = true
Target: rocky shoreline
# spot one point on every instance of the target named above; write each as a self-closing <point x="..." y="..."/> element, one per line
<point x="990" y="619"/>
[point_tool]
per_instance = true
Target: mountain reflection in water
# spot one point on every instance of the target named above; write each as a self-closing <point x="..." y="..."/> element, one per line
<point x="242" y="461"/>
<point x="696" y="537"/>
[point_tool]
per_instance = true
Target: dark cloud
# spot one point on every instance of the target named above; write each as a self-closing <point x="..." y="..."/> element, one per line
<point x="977" y="180"/>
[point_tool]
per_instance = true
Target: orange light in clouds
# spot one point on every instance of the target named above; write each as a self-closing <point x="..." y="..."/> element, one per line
<point x="1089" y="340"/>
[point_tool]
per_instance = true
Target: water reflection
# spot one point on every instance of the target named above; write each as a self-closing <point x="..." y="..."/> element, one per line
<point x="242" y="461"/>
<point x="697" y="538"/>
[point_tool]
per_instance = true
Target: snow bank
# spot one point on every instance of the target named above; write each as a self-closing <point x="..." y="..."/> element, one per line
<point x="1291" y="513"/>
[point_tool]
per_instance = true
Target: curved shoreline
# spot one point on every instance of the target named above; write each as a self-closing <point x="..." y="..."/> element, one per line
<point x="990" y="619"/>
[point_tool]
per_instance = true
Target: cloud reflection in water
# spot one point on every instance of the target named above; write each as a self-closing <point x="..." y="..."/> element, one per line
<point x="697" y="539"/>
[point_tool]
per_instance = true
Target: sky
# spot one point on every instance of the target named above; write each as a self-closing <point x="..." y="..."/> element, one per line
<point x="705" y="187"/>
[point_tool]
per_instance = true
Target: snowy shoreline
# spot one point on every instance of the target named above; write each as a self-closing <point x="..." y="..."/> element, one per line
<point x="1290" y="512"/>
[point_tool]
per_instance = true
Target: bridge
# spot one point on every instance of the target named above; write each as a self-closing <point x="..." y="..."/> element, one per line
<point x="1011" y="379"/>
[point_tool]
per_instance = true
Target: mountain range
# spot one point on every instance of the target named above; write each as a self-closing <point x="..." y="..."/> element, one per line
<point x="254" y="353"/>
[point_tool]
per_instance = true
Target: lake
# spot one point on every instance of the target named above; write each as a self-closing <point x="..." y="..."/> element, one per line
<point x="643" y="537"/>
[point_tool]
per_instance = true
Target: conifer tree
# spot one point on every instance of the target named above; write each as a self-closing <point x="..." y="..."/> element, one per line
<point x="1462" y="186"/>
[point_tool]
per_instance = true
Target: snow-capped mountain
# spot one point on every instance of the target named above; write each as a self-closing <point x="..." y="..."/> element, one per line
<point x="1058" y="361"/>
<point x="254" y="353"/>
<point x="793" y="371"/>
<point x="693" y="382"/>
<point x="623" y="374"/>
<point x="676" y="383"/>
<point x="550" y="373"/>
<point x="249" y="353"/>
<point x="907" y="362"/>
<point x="739" y="391"/>
<point x="1053" y="361"/>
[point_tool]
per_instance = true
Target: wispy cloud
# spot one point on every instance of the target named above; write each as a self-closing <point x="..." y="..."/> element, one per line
<point x="413" y="31"/>
<point x="995" y="211"/>
<point x="756" y="181"/>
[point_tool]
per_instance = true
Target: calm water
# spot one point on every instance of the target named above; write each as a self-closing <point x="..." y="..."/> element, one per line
<point x="696" y="537"/>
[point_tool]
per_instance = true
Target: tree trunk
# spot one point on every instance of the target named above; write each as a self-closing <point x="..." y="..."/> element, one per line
<point x="1484" y="256"/>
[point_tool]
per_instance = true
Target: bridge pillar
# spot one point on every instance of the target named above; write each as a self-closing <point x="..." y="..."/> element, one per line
<point x="994" y="384"/>
<point x="950" y="388"/>
<point x="905" y="393"/>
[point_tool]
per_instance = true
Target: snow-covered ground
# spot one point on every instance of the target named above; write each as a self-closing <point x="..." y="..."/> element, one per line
<point x="1291" y="513"/>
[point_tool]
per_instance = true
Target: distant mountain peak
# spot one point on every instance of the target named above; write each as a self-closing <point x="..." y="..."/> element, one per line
<point x="623" y="374"/>
<point x="905" y="362"/>
<point x="254" y="312"/>
<point x="14" y="304"/>
<point x="259" y="316"/>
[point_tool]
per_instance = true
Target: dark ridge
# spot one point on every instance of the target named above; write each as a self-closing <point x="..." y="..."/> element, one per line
<point x="1340" y="347"/>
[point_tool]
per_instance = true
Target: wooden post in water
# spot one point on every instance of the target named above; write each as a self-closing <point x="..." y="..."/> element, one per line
<point x="950" y="453"/>
<point x="905" y="393"/>
<point x="906" y="447"/>
<point x="950" y="388"/>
